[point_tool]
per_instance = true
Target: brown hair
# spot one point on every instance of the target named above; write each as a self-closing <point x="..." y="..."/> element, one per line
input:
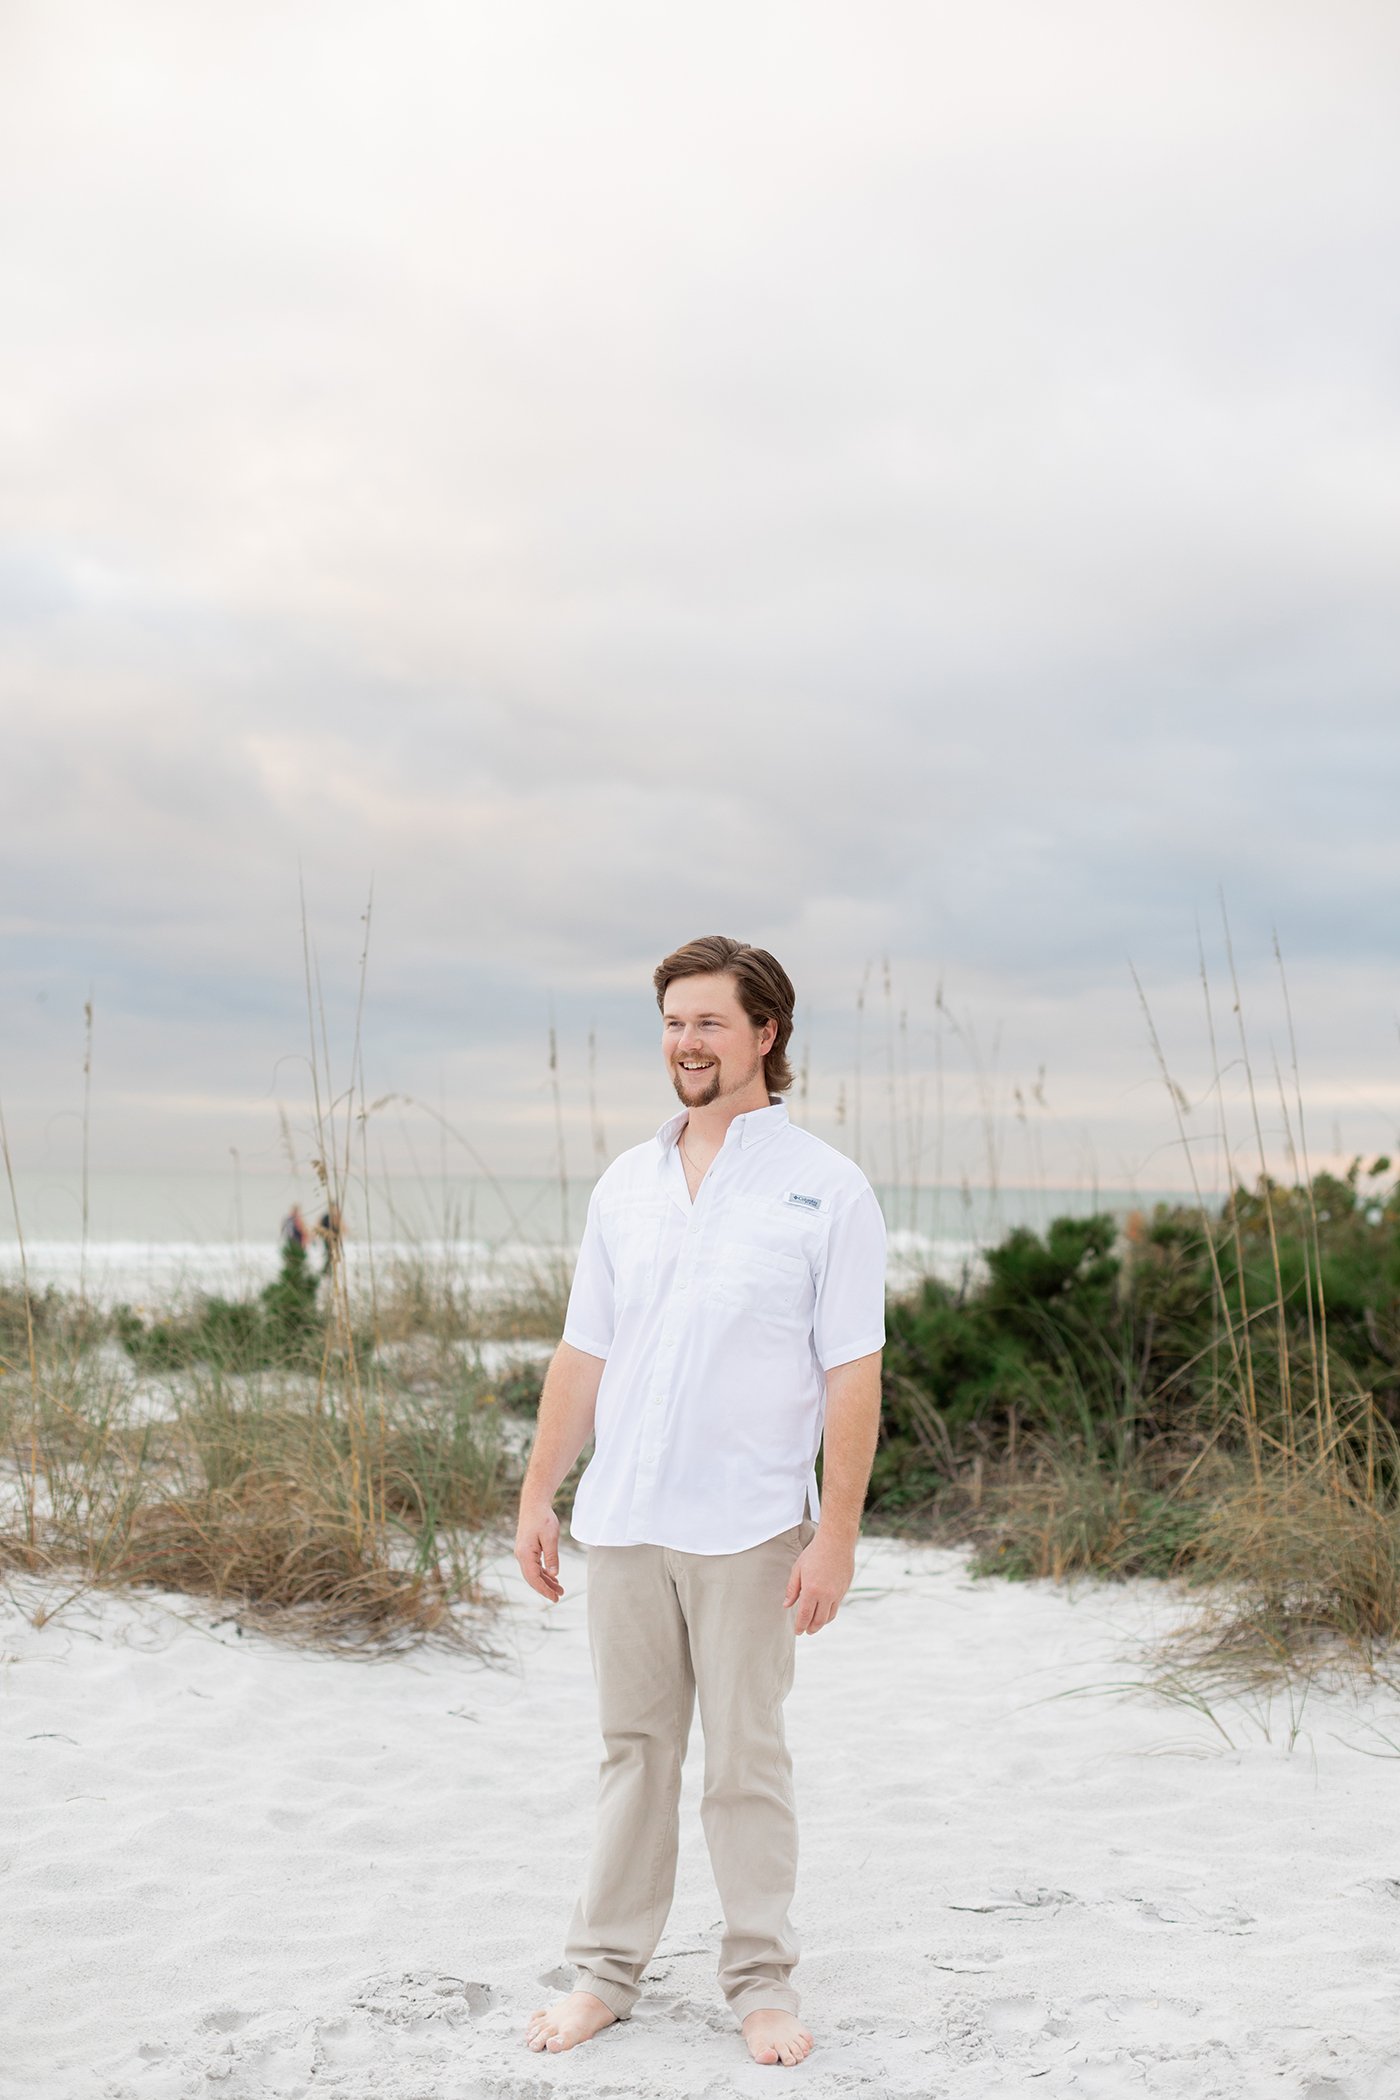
<point x="764" y="988"/>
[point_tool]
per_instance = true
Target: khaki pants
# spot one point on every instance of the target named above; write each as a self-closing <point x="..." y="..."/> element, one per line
<point x="662" y="1627"/>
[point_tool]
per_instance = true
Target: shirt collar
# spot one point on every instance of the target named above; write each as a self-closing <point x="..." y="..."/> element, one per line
<point x="757" y="1124"/>
<point x="670" y="1130"/>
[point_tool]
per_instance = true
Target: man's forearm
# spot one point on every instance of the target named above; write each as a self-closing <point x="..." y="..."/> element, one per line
<point x="849" y="1437"/>
<point x="567" y="1407"/>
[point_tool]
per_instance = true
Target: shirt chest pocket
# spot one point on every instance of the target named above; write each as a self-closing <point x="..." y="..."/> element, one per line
<point x="633" y="1235"/>
<point x="764" y="1265"/>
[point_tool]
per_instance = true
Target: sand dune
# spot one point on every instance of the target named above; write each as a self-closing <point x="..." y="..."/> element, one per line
<point x="236" y="1869"/>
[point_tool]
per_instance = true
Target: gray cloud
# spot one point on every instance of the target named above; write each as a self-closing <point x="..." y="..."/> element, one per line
<point x="886" y="483"/>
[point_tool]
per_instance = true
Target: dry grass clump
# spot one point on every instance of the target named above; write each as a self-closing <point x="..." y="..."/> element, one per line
<point x="320" y="1510"/>
<point x="422" y="1295"/>
<point x="1061" y="1512"/>
<point x="1294" y="1553"/>
<point x="276" y="1545"/>
<point x="1303" y="1556"/>
<point x="52" y="1316"/>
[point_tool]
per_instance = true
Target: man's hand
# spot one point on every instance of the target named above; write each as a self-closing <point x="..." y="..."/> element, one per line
<point x="820" y="1578"/>
<point x="564" y="1425"/>
<point x="537" y="1550"/>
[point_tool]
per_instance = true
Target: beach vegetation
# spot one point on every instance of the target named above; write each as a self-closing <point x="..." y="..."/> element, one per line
<point x="342" y="1509"/>
<point x="1213" y="1396"/>
<point x="1207" y="1390"/>
<point x="284" y="1324"/>
<point x="321" y="1463"/>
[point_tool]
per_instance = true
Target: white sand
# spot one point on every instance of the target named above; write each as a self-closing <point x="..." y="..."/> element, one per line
<point x="234" y="1869"/>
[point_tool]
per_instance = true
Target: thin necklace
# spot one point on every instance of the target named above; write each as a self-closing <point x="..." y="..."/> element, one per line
<point x="694" y="1162"/>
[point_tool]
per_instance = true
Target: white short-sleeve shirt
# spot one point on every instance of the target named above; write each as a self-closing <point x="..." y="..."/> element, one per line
<point x="718" y="1321"/>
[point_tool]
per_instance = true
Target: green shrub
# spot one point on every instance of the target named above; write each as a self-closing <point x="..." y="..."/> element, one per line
<point x="283" y="1325"/>
<point x="1061" y="1410"/>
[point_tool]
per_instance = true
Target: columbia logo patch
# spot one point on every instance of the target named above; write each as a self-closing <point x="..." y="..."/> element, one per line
<point x="807" y="1202"/>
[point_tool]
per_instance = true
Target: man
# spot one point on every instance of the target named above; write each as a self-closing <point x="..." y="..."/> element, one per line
<point x="727" y="1306"/>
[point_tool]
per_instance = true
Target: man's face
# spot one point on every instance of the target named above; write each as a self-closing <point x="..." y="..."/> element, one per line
<point x="711" y="1046"/>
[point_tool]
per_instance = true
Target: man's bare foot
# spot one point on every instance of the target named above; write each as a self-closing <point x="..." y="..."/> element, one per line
<point x="775" y="2037"/>
<point x="576" y="2018"/>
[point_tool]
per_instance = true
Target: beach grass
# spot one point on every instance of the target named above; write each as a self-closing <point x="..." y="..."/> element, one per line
<point x="326" y="1504"/>
<point x="327" y="1469"/>
<point x="1211" y="1392"/>
<point x="329" y="1466"/>
<point x="1204" y="1395"/>
<point x="1208" y="1392"/>
<point x="1211" y="1398"/>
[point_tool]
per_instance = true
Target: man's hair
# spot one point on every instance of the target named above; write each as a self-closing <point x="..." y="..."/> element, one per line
<point x="764" y="988"/>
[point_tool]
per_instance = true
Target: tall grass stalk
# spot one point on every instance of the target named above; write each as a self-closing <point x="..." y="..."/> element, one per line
<point x="892" y="1097"/>
<point x="560" y="1158"/>
<point x="324" y="1165"/>
<point x="29" y="1486"/>
<point x="1324" y="1388"/>
<point x="595" y="1120"/>
<point x="87" y="1129"/>
<point x="856" y="1077"/>
<point x="1179" y="1100"/>
<point x="1264" y="1183"/>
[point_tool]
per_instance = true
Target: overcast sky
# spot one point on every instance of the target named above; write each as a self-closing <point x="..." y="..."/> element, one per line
<point x="880" y="480"/>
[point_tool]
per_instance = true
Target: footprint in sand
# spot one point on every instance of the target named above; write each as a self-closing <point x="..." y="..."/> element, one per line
<point x="225" y="2019"/>
<point x="420" y="1996"/>
<point x="1016" y="2016"/>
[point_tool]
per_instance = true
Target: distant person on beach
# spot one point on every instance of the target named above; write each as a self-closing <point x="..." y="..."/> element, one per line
<point x="295" y="1230"/>
<point x="331" y="1233"/>
<point x="728" y="1307"/>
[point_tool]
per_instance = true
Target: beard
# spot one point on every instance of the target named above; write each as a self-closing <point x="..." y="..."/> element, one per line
<point x="704" y="1095"/>
<point x="712" y="1089"/>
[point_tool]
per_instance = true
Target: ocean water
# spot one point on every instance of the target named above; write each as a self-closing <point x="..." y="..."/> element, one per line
<point x="162" y="1239"/>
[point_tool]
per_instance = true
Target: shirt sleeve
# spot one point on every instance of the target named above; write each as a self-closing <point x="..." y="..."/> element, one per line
<point x="850" y="1309"/>
<point x="588" y="1323"/>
